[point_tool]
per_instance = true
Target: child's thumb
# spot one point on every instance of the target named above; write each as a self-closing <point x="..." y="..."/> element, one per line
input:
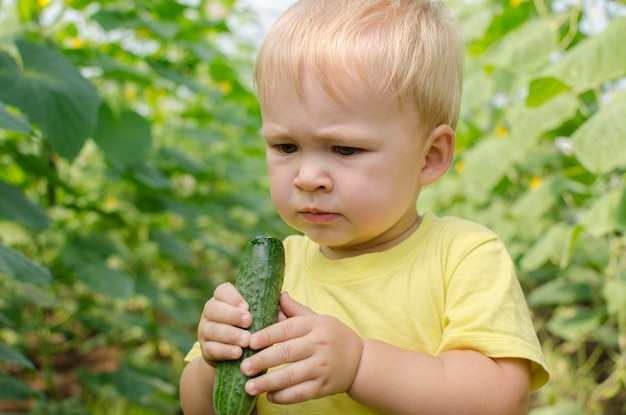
<point x="291" y="308"/>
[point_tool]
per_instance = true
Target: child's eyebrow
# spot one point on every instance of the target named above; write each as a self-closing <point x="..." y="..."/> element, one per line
<point x="273" y="135"/>
<point x="270" y="132"/>
<point x="349" y="140"/>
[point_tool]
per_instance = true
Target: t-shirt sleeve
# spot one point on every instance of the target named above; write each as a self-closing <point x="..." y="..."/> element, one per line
<point x="193" y="353"/>
<point x="485" y="308"/>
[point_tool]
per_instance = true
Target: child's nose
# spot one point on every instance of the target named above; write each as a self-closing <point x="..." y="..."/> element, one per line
<point x="312" y="176"/>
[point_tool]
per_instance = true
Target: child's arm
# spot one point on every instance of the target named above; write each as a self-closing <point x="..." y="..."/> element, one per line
<point x="221" y="335"/>
<point x="458" y="381"/>
<point x="327" y="357"/>
<point x="196" y="388"/>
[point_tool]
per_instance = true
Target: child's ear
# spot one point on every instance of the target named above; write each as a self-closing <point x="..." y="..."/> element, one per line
<point x="438" y="153"/>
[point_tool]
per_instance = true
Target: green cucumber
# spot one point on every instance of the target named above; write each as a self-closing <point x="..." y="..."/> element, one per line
<point x="259" y="281"/>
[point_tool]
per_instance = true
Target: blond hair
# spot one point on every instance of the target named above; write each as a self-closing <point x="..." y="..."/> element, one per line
<point x="411" y="49"/>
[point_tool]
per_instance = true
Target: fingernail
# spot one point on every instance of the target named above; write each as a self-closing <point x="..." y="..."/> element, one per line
<point x="243" y="305"/>
<point x="246" y="320"/>
<point x="251" y="387"/>
<point x="246" y="367"/>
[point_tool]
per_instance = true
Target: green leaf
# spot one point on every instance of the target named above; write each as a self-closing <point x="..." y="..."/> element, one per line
<point x="6" y="321"/>
<point x="179" y="338"/>
<point x="87" y="249"/>
<point x="151" y="177"/>
<point x="536" y="202"/>
<point x="575" y="323"/>
<point x="559" y="292"/>
<point x="166" y="30"/>
<point x="21" y="293"/>
<point x="125" y="139"/>
<point x="570" y="244"/>
<point x="601" y="218"/>
<point x="121" y="71"/>
<point x="486" y="163"/>
<point x="528" y="124"/>
<point x="171" y="245"/>
<point x="102" y="244"/>
<point x="614" y="291"/>
<point x="475" y="18"/>
<point x="176" y="158"/>
<point x="544" y="89"/>
<point x="593" y="61"/>
<point x="600" y="143"/>
<point x="169" y="302"/>
<point x="109" y="20"/>
<point x="9" y="355"/>
<point x="621" y="211"/>
<point x="35" y="294"/>
<point x="51" y="91"/>
<point x="564" y="407"/>
<point x="178" y="78"/>
<point x="14" y="206"/>
<point x="22" y="268"/>
<point x="478" y="89"/>
<point x="139" y="387"/>
<point x="29" y="10"/>
<point x="104" y="280"/>
<point x="525" y="48"/>
<point x="38" y="166"/>
<point x="13" y="389"/>
<point x="549" y="248"/>
<point x="13" y="122"/>
<point x="505" y="19"/>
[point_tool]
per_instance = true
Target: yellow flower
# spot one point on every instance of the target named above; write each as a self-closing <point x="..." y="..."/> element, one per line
<point x="77" y="43"/>
<point x="143" y="33"/>
<point x="110" y="203"/>
<point x="460" y="166"/>
<point x="516" y="3"/>
<point x="43" y="3"/>
<point x="225" y="87"/>
<point x="535" y="183"/>
<point x="130" y="93"/>
<point x="501" y="131"/>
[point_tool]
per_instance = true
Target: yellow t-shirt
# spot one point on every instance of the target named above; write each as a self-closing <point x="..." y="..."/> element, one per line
<point x="450" y="285"/>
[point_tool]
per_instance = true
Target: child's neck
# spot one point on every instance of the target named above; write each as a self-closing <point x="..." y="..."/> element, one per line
<point x="339" y="253"/>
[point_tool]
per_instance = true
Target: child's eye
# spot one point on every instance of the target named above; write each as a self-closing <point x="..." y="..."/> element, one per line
<point x="286" y="148"/>
<point x="345" y="151"/>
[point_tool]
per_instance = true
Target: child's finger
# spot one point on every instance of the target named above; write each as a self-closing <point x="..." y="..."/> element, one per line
<point x="291" y="308"/>
<point x="214" y="352"/>
<point x="227" y="293"/>
<point x="223" y="333"/>
<point x="293" y="378"/>
<point x="288" y="352"/>
<point x="221" y="312"/>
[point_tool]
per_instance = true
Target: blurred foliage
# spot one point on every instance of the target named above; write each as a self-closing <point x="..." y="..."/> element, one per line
<point x="541" y="159"/>
<point x="131" y="175"/>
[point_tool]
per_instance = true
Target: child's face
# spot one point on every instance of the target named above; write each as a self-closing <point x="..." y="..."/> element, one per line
<point x="347" y="174"/>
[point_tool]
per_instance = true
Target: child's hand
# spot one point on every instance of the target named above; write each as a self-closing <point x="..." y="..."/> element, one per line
<point x="322" y="353"/>
<point x="221" y="331"/>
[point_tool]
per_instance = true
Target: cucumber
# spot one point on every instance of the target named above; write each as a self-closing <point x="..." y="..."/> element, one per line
<point x="259" y="281"/>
